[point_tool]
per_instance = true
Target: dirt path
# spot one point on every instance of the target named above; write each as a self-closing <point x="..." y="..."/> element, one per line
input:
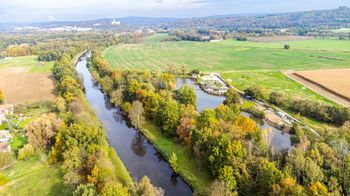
<point x="318" y="89"/>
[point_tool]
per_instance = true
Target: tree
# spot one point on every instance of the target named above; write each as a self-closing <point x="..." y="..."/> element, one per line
<point x="2" y="97"/>
<point x="41" y="131"/>
<point x="187" y="95"/>
<point x="168" y="116"/>
<point x="286" y="46"/>
<point x="114" y="189"/>
<point x="173" y="162"/>
<point x="318" y="189"/>
<point x="26" y="152"/>
<point x="60" y="104"/>
<point x="277" y="98"/>
<point x="117" y="97"/>
<point x="184" y="70"/>
<point x="226" y="176"/>
<point x="85" y="190"/>
<point x="184" y="130"/>
<point x="288" y="186"/>
<point x="257" y="92"/>
<point x="145" y="188"/>
<point x="232" y="97"/>
<point x="136" y="114"/>
<point x="107" y="84"/>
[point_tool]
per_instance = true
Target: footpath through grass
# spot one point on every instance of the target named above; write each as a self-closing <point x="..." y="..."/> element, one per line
<point x="189" y="167"/>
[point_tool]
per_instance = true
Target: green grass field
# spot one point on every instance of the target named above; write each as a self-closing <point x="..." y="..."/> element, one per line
<point x="272" y="81"/>
<point x="33" y="177"/>
<point x="154" y="54"/>
<point x="313" y="44"/>
<point x="27" y="61"/>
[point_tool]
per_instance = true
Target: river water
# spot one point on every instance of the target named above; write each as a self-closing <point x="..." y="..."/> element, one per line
<point x="279" y="139"/>
<point x="137" y="153"/>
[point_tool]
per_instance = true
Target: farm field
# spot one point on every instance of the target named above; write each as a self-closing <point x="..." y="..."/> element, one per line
<point x="272" y="81"/>
<point x="155" y="54"/>
<point x="333" y="84"/>
<point x="308" y="44"/>
<point x="23" y="79"/>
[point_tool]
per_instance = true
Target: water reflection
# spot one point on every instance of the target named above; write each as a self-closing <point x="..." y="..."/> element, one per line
<point x="138" y="145"/>
<point x="279" y="139"/>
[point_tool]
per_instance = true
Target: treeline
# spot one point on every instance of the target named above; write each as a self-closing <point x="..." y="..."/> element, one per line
<point x="235" y="151"/>
<point x="333" y="114"/>
<point x="203" y="35"/>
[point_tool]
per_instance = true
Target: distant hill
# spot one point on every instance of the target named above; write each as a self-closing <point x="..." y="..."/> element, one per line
<point x="335" y="18"/>
<point x="326" y="19"/>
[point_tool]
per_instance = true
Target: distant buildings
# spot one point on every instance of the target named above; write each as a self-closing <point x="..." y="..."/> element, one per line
<point x="114" y="22"/>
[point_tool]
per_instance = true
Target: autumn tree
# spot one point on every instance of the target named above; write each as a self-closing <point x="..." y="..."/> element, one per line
<point x="41" y="131"/>
<point x="232" y="97"/>
<point x="85" y="190"/>
<point x="114" y="188"/>
<point x="144" y="187"/>
<point x="187" y="95"/>
<point x="2" y="96"/>
<point x="136" y="114"/>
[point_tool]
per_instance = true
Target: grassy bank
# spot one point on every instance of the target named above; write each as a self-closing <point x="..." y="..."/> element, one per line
<point x="189" y="167"/>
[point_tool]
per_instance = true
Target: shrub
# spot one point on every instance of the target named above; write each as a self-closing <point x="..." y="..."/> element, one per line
<point x="26" y="152"/>
<point x="5" y="158"/>
<point x="257" y="92"/>
<point x="3" y="179"/>
<point x="286" y="46"/>
<point x="173" y="162"/>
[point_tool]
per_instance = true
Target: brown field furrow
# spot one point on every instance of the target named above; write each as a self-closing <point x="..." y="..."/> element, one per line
<point x="333" y="84"/>
<point x="20" y="86"/>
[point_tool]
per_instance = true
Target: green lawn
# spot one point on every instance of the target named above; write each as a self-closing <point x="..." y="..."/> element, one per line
<point x="33" y="177"/>
<point x="313" y="44"/>
<point x="229" y="55"/>
<point x="272" y="81"/>
<point x="190" y="168"/>
<point x="27" y="61"/>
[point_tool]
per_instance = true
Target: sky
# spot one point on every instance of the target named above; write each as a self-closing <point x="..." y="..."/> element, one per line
<point x="70" y="10"/>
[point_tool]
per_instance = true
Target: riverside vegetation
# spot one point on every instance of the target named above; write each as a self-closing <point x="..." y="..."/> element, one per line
<point x="233" y="150"/>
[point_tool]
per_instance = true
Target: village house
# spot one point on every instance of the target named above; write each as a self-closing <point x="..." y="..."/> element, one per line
<point x="5" y="139"/>
<point x="5" y="109"/>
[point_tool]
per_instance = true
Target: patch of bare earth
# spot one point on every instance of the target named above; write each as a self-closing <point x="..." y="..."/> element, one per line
<point x="333" y="84"/>
<point x="20" y="86"/>
<point x="279" y="38"/>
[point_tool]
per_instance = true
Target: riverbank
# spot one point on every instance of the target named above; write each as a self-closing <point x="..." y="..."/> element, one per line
<point x="194" y="172"/>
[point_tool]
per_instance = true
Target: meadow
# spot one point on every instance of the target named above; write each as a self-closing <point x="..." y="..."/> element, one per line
<point x="29" y="62"/>
<point x="155" y="54"/>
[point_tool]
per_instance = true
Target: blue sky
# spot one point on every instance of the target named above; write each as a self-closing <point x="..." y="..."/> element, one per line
<point x="49" y="10"/>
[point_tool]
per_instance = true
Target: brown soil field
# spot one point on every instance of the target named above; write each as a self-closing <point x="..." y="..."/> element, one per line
<point x="20" y="86"/>
<point x="333" y="84"/>
<point x="279" y="38"/>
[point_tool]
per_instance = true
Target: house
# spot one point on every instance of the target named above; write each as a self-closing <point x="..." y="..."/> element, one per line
<point x="5" y="139"/>
<point x="5" y="110"/>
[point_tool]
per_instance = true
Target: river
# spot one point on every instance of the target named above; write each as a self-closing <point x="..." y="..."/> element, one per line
<point x="279" y="139"/>
<point x="137" y="153"/>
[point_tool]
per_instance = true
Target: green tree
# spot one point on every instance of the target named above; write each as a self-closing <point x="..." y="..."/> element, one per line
<point x="226" y="176"/>
<point x="169" y="116"/>
<point x="187" y="95"/>
<point x="257" y="92"/>
<point x="85" y="190"/>
<point x="173" y="162"/>
<point x="41" y="131"/>
<point x="114" y="189"/>
<point x="232" y="97"/>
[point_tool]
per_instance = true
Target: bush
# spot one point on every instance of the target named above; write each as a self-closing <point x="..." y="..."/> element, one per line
<point x="5" y="158"/>
<point x="173" y="162"/>
<point x="286" y="46"/>
<point x="26" y="152"/>
<point x="3" y="179"/>
<point x="257" y="92"/>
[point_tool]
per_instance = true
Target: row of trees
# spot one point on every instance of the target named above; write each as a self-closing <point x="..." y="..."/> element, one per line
<point x="320" y="111"/>
<point x="236" y="152"/>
